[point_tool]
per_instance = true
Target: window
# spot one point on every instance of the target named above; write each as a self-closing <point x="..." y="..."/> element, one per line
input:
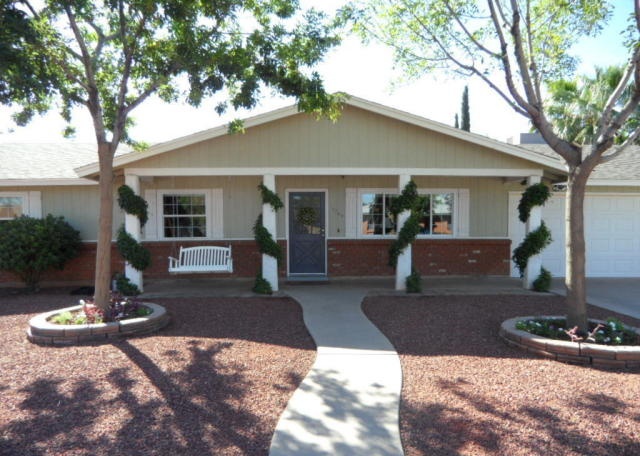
<point x="184" y="215"/>
<point x="436" y="214"/>
<point x="11" y="206"/>
<point x="376" y="214"/>
<point x="437" y="209"/>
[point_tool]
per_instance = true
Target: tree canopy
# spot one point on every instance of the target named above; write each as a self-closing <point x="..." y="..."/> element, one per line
<point x="110" y="56"/>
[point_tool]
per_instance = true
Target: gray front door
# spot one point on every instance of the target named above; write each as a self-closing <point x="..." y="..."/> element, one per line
<point x="307" y="246"/>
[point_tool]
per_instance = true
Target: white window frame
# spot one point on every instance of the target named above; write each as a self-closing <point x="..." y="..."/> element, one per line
<point x="26" y="209"/>
<point x="208" y="204"/>
<point x="394" y="191"/>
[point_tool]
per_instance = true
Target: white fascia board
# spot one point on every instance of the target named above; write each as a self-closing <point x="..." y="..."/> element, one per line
<point x="45" y="182"/>
<point x="478" y="172"/>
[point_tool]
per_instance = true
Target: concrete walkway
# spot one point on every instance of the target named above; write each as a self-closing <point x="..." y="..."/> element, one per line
<point x="349" y="402"/>
<point x="616" y="294"/>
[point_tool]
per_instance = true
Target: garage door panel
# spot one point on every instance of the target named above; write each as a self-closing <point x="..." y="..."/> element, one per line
<point x="612" y="231"/>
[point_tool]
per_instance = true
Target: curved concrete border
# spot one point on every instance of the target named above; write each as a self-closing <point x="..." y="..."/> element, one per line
<point x="607" y="356"/>
<point x="42" y="331"/>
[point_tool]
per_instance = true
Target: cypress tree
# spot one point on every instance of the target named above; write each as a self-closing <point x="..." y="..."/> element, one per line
<point x="465" y="121"/>
<point x="456" y="124"/>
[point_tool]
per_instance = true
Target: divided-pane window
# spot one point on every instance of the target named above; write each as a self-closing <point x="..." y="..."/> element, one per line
<point x="436" y="215"/>
<point x="184" y="215"/>
<point x="377" y="218"/>
<point x="11" y="206"/>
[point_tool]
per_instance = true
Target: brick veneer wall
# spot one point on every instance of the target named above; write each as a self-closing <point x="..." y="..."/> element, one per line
<point x="349" y="257"/>
<point x="430" y="256"/>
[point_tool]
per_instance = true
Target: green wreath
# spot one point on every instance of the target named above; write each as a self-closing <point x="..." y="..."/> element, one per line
<point x="306" y="216"/>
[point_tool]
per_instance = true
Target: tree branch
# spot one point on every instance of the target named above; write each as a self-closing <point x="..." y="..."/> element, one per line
<point x="478" y="45"/>
<point x="607" y="113"/>
<point x="520" y="58"/>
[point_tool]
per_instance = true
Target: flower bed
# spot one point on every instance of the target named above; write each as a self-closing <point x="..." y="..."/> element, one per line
<point x="608" y="356"/>
<point x="42" y="330"/>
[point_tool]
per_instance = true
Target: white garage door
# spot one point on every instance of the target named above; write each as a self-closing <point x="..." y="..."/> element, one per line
<point x="612" y="230"/>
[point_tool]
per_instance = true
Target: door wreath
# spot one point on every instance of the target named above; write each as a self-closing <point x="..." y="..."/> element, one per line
<point x="306" y="216"/>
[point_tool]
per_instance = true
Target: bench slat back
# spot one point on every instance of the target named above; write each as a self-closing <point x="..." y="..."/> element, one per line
<point x="203" y="256"/>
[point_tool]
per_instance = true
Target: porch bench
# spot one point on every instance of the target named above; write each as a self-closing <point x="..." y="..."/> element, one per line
<point x="202" y="259"/>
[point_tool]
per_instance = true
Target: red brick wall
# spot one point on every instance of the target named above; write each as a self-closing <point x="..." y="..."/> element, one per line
<point x="345" y="258"/>
<point x="430" y="257"/>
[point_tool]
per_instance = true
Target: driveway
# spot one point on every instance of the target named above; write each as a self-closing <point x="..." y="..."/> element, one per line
<point x="619" y="295"/>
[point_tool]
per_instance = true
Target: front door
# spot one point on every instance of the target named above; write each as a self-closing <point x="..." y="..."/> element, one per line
<point x="307" y="241"/>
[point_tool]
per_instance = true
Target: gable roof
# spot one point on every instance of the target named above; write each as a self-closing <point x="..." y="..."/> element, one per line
<point x="508" y="149"/>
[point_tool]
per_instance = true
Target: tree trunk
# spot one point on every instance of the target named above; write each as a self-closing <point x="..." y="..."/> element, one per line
<point x="575" y="249"/>
<point x="105" y="227"/>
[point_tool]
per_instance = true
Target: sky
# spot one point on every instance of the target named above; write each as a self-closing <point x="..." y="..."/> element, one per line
<point x="362" y="71"/>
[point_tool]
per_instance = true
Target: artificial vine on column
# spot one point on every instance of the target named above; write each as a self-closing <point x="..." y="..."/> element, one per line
<point x="535" y="241"/>
<point x="266" y="244"/>
<point x="409" y="200"/>
<point x="130" y="249"/>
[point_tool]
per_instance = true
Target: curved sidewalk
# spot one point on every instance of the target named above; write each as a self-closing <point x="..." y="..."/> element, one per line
<point x="349" y="402"/>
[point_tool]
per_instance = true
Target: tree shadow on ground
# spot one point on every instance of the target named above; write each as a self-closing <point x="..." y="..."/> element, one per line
<point x="201" y="386"/>
<point x="195" y="410"/>
<point x="475" y="424"/>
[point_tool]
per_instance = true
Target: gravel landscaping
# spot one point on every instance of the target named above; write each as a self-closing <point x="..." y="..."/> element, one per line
<point x="467" y="393"/>
<point x="215" y="381"/>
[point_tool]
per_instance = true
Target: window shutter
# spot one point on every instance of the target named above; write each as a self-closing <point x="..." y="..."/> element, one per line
<point x="463" y="212"/>
<point x="150" y="229"/>
<point x="351" y="213"/>
<point x="35" y="204"/>
<point x="217" y="222"/>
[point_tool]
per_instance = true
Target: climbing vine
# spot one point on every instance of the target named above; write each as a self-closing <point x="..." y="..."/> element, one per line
<point x="535" y="241"/>
<point x="130" y="249"/>
<point x="266" y="244"/>
<point x="534" y="195"/>
<point x="409" y="200"/>
<point x="270" y="198"/>
<point x="132" y="203"/>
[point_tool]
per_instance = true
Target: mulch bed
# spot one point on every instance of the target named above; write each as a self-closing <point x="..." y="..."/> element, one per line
<point x="466" y="393"/>
<point x="215" y="381"/>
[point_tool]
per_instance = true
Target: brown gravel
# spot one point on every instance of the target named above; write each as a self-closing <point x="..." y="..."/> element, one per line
<point x="214" y="382"/>
<point x="466" y="393"/>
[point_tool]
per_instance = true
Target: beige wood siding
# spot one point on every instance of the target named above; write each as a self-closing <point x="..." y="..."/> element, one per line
<point x="79" y="205"/>
<point x="359" y="139"/>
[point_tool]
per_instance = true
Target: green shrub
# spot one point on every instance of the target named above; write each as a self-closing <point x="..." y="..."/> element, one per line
<point x="262" y="285"/>
<point x="543" y="281"/>
<point x="125" y="286"/>
<point x="31" y="246"/>
<point x="414" y="282"/>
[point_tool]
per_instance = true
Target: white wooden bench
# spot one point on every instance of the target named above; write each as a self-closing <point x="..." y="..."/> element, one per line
<point x="202" y="259"/>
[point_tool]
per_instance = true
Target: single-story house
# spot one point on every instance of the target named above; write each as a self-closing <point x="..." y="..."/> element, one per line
<point x="336" y="180"/>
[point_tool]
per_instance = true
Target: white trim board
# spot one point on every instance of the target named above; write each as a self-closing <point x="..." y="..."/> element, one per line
<point x="443" y="172"/>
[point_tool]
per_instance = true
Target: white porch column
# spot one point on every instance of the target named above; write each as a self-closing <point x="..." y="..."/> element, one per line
<point x="403" y="268"/>
<point x="535" y="219"/>
<point x="132" y="226"/>
<point x="269" y="264"/>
